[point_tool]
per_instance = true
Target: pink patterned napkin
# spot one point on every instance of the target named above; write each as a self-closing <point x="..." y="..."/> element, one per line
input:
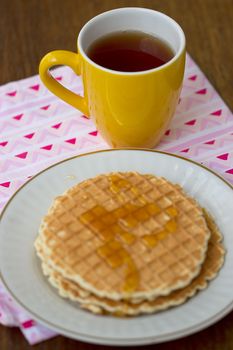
<point x="37" y="130"/>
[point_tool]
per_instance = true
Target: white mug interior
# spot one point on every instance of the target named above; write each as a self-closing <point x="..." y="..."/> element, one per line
<point x="133" y="18"/>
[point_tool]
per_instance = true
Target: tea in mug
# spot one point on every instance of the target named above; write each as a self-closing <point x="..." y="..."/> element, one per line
<point x="130" y="51"/>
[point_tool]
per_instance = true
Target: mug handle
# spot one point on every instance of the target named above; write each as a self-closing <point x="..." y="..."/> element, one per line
<point x="68" y="58"/>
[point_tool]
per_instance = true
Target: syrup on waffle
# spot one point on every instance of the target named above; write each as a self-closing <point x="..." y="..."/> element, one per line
<point x="126" y="236"/>
<point x="68" y="289"/>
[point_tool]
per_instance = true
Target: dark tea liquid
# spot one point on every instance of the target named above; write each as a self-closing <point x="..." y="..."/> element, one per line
<point x="129" y="51"/>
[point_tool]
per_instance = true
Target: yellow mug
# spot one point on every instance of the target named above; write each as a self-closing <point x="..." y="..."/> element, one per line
<point x="130" y="109"/>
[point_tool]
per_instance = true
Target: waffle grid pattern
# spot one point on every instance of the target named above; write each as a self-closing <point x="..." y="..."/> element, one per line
<point x="71" y="246"/>
<point x="213" y="262"/>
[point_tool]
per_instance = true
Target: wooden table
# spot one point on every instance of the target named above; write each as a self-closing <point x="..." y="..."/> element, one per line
<point x="30" y="28"/>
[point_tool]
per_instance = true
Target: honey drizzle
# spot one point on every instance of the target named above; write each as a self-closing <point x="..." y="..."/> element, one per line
<point x="117" y="183"/>
<point x="155" y="237"/>
<point x="114" y="227"/>
<point x="109" y="231"/>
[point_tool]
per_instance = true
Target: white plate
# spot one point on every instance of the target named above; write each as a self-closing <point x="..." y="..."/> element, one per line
<point x="21" y="273"/>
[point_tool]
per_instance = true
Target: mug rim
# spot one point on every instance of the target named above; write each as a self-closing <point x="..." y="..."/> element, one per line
<point x="148" y="71"/>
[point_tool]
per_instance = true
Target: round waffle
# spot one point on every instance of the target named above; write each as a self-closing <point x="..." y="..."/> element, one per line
<point x="125" y="236"/>
<point x="212" y="264"/>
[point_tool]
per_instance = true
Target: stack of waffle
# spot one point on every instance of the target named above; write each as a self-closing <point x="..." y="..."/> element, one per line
<point x="127" y="243"/>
